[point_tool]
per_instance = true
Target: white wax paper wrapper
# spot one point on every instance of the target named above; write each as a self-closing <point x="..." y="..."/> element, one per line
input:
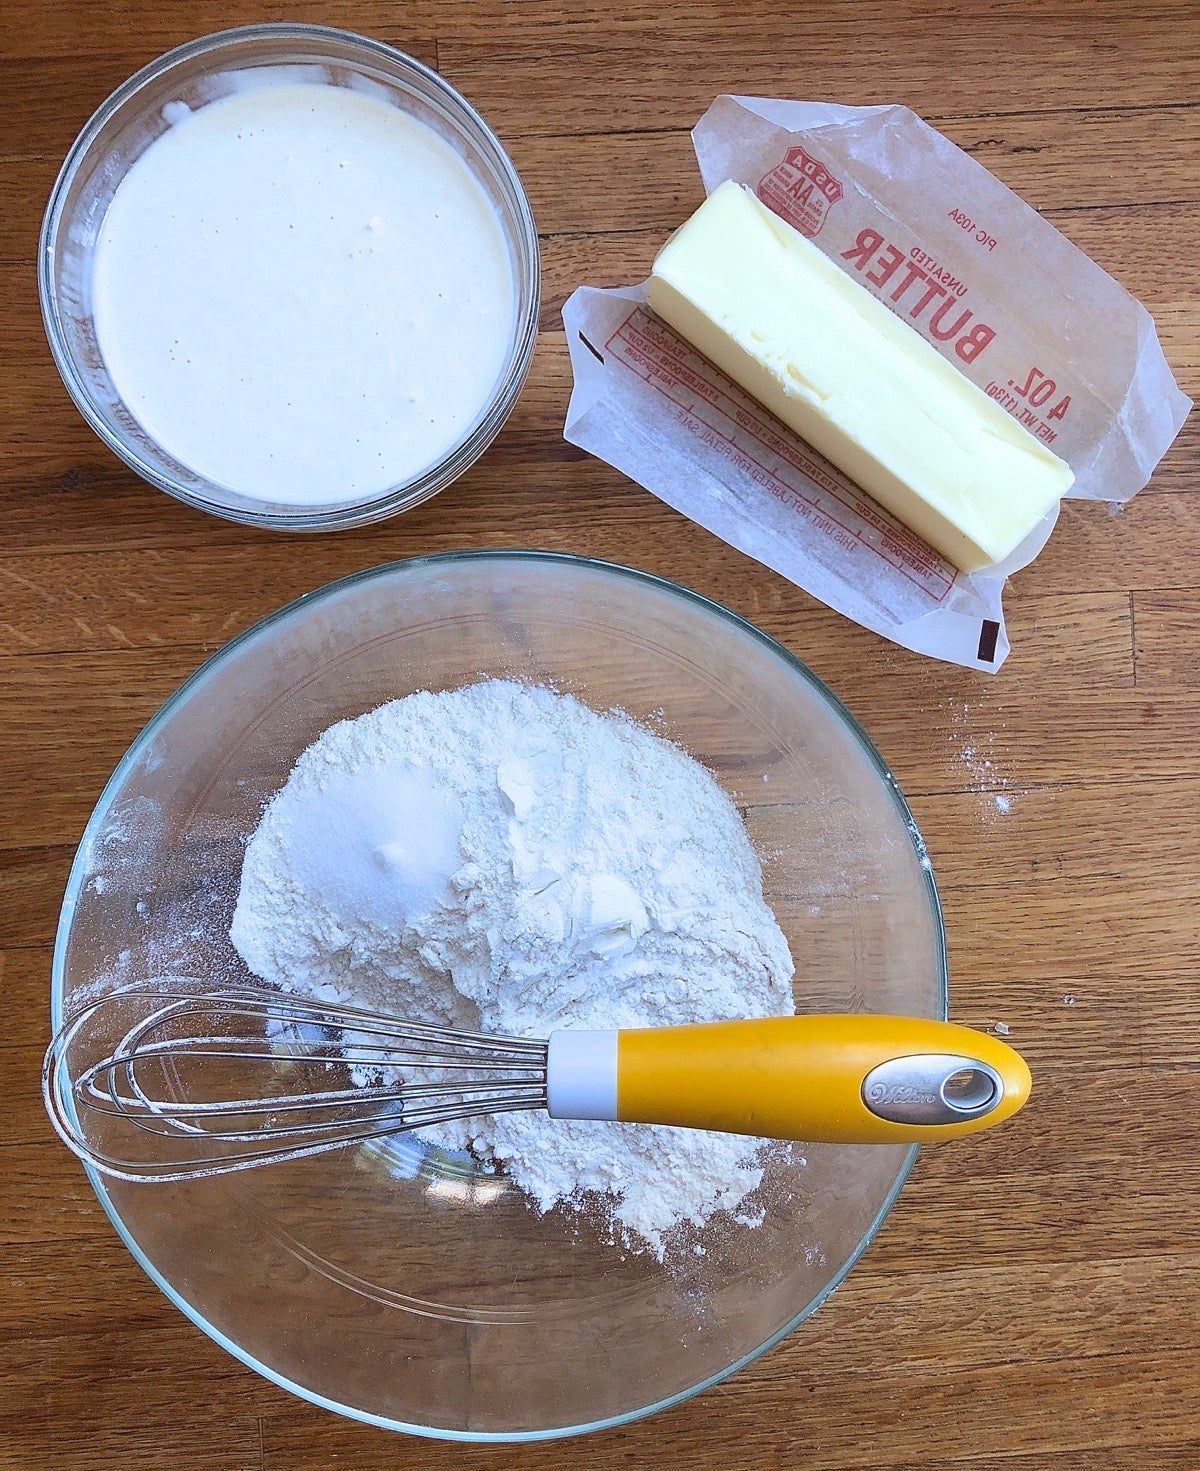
<point x="1017" y="308"/>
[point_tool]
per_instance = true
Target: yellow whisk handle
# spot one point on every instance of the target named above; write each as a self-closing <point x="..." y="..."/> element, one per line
<point x="842" y="1079"/>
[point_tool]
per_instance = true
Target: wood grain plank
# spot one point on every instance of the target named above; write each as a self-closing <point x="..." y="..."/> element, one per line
<point x="998" y="1314"/>
<point x="52" y="99"/>
<point x="1167" y="642"/>
<point x="1035" y="836"/>
<point x="566" y="501"/>
<point x="648" y="181"/>
<point x="47" y="1198"/>
<point x="139" y="33"/>
<point x="130" y="598"/>
<point x="1077" y="1225"/>
<point x="88" y="721"/>
<point x="83" y="723"/>
<point x="1062" y="61"/>
<point x="1004" y="839"/>
<point x="1094" y="932"/>
<point x="134" y="1418"/>
<point x="1002" y="1312"/>
<point x="1083" y="1132"/>
<point x="1077" y="1019"/>
<point x="1105" y="1402"/>
<point x="25" y="981"/>
<point x="979" y="744"/>
<point x="976" y="740"/>
<point x="31" y="888"/>
<point x="25" y="185"/>
<point x="107" y="1280"/>
<point x="289" y="1442"/>
<point x="642" y="187"/>
<point x="644" y="182"/>
<point x="23" y="1120"/>
<point x="1140" y="1457"/>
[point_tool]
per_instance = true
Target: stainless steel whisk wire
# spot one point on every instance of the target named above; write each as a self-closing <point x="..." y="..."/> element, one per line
<point x="137" y="1080"/>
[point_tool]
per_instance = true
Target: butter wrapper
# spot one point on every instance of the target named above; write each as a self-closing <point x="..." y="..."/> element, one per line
<point x="1018" y="309"/>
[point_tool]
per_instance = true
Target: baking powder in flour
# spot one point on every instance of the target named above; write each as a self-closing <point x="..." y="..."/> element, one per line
<point x="502" y="858"/>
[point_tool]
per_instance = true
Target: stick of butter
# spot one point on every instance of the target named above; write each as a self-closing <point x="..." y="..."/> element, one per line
<point x="861" y="386"/>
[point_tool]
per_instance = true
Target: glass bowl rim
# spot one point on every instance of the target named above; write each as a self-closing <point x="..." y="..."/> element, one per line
<point x="703" y="605"/>
<point x="469" y="122"/>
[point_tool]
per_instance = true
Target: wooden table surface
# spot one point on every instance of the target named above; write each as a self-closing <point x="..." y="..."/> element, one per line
<point x="1033" y="1303"/>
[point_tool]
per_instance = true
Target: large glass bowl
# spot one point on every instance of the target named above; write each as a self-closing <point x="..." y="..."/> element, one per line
<point x="428" y="1295"/>
<point x="127" y="124"/>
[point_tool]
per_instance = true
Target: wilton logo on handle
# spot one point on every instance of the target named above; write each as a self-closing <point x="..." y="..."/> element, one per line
<point x="800" y="189"/>
<point x="891" y="1093"/>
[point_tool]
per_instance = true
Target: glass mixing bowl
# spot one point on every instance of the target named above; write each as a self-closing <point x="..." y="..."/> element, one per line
<point x="129" y="122"/>
<point x="424" y="1293"/>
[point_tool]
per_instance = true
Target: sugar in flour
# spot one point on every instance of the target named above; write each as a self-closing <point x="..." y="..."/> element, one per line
<point x="502" y="858"/>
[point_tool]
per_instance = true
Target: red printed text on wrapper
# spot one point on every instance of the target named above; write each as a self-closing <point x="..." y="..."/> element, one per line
<point x="800" y="189"/>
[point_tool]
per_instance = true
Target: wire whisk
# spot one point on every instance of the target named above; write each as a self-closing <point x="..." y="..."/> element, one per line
<point x="236" y="1077"/>
<point x="173" y="1079"/>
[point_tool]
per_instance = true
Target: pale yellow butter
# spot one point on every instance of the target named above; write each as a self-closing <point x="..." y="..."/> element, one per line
<point x="861" y="386"/>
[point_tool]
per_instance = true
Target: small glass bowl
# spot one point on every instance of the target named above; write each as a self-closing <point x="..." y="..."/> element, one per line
<point x="424" y="1292"/>
<point x="132" y="119"/>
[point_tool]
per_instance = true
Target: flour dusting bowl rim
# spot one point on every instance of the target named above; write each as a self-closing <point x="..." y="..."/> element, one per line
<point x="925" y="894"/>
<point x="282" y="44"/>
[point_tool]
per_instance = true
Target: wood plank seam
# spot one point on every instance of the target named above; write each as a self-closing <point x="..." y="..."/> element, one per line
<point x="1133" y="637"/>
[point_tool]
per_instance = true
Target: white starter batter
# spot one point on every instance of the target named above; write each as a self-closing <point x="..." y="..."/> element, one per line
<point x="302" y="293"/>
<point x="502" y="858"/>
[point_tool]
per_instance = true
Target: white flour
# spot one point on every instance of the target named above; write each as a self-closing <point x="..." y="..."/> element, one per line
<point x="502" y="858"/>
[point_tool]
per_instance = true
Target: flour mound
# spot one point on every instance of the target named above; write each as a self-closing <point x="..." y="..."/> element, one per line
<point x="594" y="876"/>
